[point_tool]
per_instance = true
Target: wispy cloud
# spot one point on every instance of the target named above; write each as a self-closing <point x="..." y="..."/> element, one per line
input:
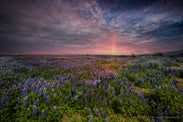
<point x="90" y="26"/>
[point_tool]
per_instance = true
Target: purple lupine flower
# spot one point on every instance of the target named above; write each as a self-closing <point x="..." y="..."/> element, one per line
<point x="85" y="100"/>
<point x="19" y="85"/>
<point x="80" y="93"/>
<point x="177" y="113"/>
<point x="151" y="88"/>
<point x="53" y="85"/>
<point x="106" y="119"/>
<point x="113" y="92"/>
<point x="91" y="119"/>
<point x="159" y="117"/>
<point x="166" y="114"/>
<point x="35" y="112"/>
<point x="36" y="102"/>
<point x="168" y="108"/>
<point x="48" y="85"/>
<point x="106" y="84"/>
<point x="37" y="89"/>
<point x="175" y="81"/>
<point x="141" y="95"/>
<point x="97" y="113"/>
<point x="25" y="92"/>
<point x="121" y="102"/>
<point x="146" y="100"/>
<point x="131" y="90"/>
<point x="54" y="108"/>
<point x="45" y="84"/>
<point x="89" y="111"/>
<point x="105" y="114"/>
<point x="1" y="104"/>
<point x="32" y="87"/>
<point x="47" y="100"/>
<point x="94" y="83"/>
<point x="18" y="100"/>
<point x="159" y="105"/>
<point x="73" y="92"/>
<point x="52" y="89"/>
<point x="153" y="82"/>
<point x="44" y="94"/>
<point x="85" y="89"/>
<point x="26" y="101"/>
<point x="75" y="99"/>
<point x="39" y="85"/>
<point x="152" y="120"/>
<point x="40" y="92"/>
<point x="43" y="114"/>
<point x="140" y="80"/>
<point x="65" y="99"/>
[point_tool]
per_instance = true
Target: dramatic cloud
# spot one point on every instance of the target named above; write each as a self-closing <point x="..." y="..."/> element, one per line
<point x="90" y="26"/>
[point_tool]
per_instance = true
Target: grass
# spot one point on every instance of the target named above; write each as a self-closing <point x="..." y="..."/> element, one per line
<point x="180" y="82"/>
<point x="144" y="90"/>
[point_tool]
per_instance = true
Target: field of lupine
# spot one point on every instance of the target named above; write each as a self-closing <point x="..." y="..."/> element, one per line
<point x="91" y="89"/>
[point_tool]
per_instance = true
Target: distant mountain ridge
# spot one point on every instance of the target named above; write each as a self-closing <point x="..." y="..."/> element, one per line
<point x="173" y="53"/>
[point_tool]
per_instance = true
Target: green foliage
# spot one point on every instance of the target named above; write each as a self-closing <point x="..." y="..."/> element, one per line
<point x="136" y="93"/>
<point x="116" y="106"/>
<point x="168" y="96"/>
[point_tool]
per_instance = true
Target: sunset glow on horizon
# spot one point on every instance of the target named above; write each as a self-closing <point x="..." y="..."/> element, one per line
<point x="113" y="27"/>
<point x="113" y="44"/>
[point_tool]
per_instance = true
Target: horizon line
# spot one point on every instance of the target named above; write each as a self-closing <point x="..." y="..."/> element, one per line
<point x="29" y="54"/>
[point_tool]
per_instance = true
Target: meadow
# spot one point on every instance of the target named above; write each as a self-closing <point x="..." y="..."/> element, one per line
<point x="91" y="88"/>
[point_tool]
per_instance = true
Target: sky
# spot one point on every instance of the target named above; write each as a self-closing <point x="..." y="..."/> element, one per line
<point x="90" y="26"/>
